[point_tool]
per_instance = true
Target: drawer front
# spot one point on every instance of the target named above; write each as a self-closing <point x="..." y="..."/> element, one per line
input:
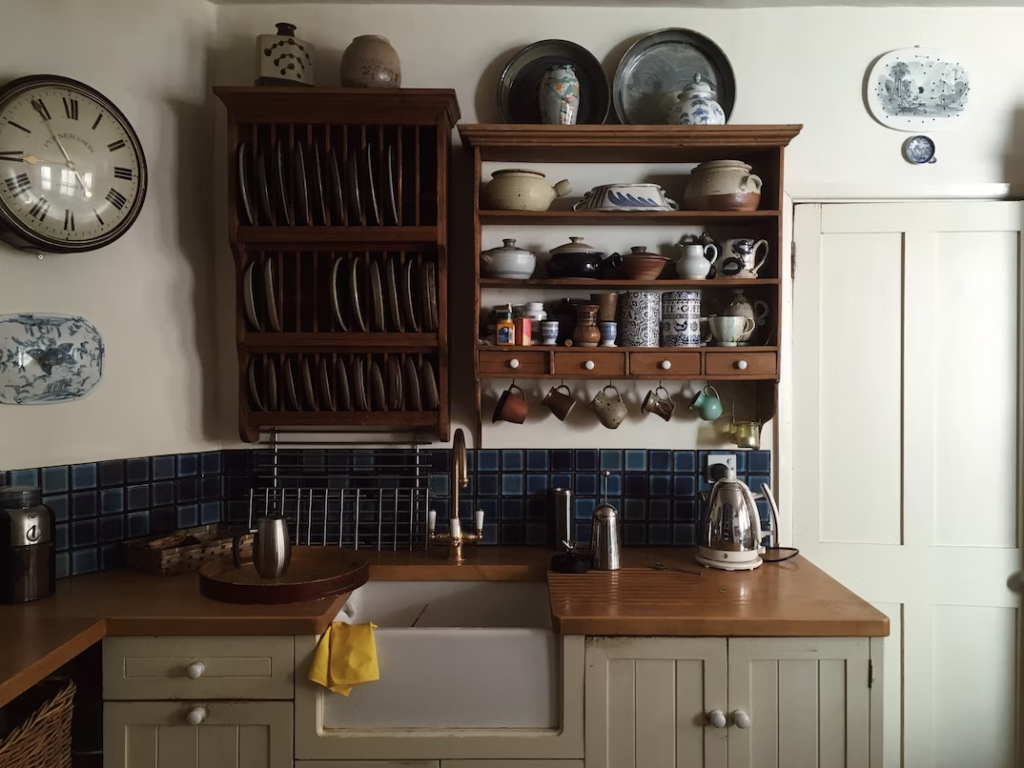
<point x="741" y="363"/>
<point x="159" y="668"/>
<point x="654" y="363"/>
<point x="494" y="363"/>
<point x="577" y="364"/>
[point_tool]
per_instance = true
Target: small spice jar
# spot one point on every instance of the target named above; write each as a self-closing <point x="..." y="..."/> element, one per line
<point x="505" y="335"/>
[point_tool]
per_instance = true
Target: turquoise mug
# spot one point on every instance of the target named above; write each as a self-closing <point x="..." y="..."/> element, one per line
<point x="707" y="404"/>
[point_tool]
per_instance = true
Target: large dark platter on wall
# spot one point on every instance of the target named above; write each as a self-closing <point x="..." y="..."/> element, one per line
<point x="656" y="68"/>
<point x="519" y="86"/>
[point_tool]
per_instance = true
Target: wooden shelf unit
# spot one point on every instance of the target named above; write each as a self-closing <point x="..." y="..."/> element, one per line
<point x="412" y="126"/>
<point x="762" y="146"/>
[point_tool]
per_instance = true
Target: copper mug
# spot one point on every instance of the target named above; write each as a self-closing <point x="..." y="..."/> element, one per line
<point x="659" y="401"/>
<point x="560" y="404"/>
<point x="512" y="406"/>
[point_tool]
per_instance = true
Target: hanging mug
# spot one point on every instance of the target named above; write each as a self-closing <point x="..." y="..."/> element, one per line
<point x="659" y="401"/>
<point x="611" y="411"/>
<point x="512" y="406"/>
<point x="560" y="403"/>
<point x="707" y="404"/>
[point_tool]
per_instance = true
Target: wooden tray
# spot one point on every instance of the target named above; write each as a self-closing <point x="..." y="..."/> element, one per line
<point x="165" y="554"/>
<point x="314" y="572"/>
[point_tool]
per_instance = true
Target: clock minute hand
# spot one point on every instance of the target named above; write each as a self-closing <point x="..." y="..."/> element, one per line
<point x="38" y="108"/>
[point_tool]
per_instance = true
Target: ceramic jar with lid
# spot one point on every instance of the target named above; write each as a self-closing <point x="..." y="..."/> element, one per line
<point x="723" y="185"/>
<point x="680" y="319"/>
<point x="577" y="259"/>
<point x="284" y="59"/>
<point x="371" y="62"/>
<point x="509" y="262"/>
<point x="697" y="105"/>
<point x="515" y="189"/>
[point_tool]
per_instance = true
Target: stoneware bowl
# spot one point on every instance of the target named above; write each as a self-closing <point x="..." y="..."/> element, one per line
<point x="641" y="265"/>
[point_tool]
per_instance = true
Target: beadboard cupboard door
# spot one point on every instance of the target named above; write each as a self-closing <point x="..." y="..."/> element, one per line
<point x="231" y="735"/>
<point x="907" y="455"/>
<point x="649" y="702"/>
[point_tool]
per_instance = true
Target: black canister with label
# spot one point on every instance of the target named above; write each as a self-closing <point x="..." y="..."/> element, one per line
<point x="28" y="568"/>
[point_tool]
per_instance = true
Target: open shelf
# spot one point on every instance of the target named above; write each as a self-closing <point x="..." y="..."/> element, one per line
<point x="301" y="342"/>
<point x="620" y="350"/>
<point x="678" y="218"/>
<point x="343" y="418"/>
<point x="573" y="282"/>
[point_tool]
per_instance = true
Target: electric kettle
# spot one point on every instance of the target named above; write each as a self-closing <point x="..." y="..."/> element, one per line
<point x="730" y="534"/>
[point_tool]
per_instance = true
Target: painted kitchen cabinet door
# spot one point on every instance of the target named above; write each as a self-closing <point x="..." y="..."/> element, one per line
<point x="232" y="735"/>
<point x="799" y="703"/>
<point x="648" y="702"/>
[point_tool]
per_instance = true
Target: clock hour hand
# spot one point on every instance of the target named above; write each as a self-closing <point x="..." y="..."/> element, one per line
<point x="32" y="160"/>
<point x="42" y="114"/>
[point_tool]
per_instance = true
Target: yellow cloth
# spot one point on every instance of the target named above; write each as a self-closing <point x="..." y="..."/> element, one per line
<point x="346" y="656"/>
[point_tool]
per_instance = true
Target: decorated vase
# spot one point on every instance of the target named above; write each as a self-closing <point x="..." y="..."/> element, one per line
<point x="284" y="59"/>
<point x="371" y="62"/>
<point x="560" y="96"/>
<point x="697" y="106"/>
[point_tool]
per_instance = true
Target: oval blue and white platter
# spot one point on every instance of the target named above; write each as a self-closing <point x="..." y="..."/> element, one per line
<point x="48" y="358"/>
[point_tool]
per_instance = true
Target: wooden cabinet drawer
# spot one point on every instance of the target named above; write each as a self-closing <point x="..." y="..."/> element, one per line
<point x="587" y="364"/>
<point x="157" y="668"/>
<point x="741" y="363"/>
<point x="664" y="363"/>
<point x="509" y="363"/>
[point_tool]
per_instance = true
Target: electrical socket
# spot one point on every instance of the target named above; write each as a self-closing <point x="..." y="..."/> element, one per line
<point x="727" y="460"/>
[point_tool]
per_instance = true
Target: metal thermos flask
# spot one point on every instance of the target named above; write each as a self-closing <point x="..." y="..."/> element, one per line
<point x="561" y="507"/>
<point x="28" y="566"/>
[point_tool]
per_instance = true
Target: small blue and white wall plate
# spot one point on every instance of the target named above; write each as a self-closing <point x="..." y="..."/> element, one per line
<point x="48" y="358"/>
<point x="919" y="150"/>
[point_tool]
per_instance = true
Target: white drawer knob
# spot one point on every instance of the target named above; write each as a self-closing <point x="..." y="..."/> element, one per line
<point x="195" y="670"/>
<point x="741" y="364"/>
<point x="665" y="365"/>
<point x="716" y="718"/>
<point x="741" y="718"/>
<point x="196" y="715"/>
<point x="589" y="365"/>
<point x="513" y="363"/>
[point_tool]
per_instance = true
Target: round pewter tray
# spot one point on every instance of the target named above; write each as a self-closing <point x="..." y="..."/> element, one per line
<point x="314" y="573"/>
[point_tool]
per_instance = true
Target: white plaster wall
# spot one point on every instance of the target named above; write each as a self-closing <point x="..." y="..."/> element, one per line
<point x="151" y="293"/>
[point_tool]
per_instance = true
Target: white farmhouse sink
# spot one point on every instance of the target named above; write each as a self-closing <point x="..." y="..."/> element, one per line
<point x="454" y="655"/>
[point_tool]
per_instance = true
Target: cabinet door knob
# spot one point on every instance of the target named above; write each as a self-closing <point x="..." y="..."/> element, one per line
<point x="717" y="718"/>
<point x="513" y="363"/>
<point x="196" y="715"/>
<point x="741" y="718"/>
<point x="195" y="670"/>
<point x="665" y="365"/>
<point x="741" y="364"/>
<point x="589" y="365"/>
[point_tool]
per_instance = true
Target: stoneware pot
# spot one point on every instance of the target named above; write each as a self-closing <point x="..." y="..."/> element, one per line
<point x="371" y="62"/>
<point x="577" y="259"/>
<point x="513" y="189"/>
<point x="639" y="264"/>
<point x="680" y="319"/>
<point x="697" y="106"/>
<point x="739" y="260"/>
<point x="610" y="409"/>
<point x="723" y="185"/>
<point x="707" y="404"/>
<point x="508" y="262"/>
<point x="560" y="96"/>
<point x="696" y="263"/>
<point x="586" y="334"/>
<point x="512" y="406"/>
<point x="639" y="319"/>
<point x="284" y="59"/>
<point x="558" y="402"/>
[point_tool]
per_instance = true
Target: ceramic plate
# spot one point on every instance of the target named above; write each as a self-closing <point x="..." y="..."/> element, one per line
<point x="376" y="298"/>
<point x="249" y="297"/>
<point x="657" y="67"/>
<point x="518" y="100"/>
<point x="914" y="89"/>
<point x="291" y="392"/>
<point x="263" y="188"/>
<point x="355" y="200"/>
<point x="316" y="182"/>
<point x="396" y="401"/>
<point x="377" y="388"/>
<point x="428" y="288"/>
<point x="412" y="386"/>
<point x="48" y="359"/>
<point x="337" y="194"/>
<point x="325" y="385"/>
<point x="336" y="291"/>
<point x="370" y="177"/>
<point x="392" y="179"/>
<point x="307" y="385"/>
<point x="302" y="215"/>
<point x="396" y="314"/>
<point x="409" y="295"/>
<point x="358" y="385"/>
<point x="270" y="292"/>
<point x="245" y="210"/>
<point x="355" y="288"/>
<point x="254" y="387"/>
<point x="270" y="377"/>
<point x="344" y="401"/>
<point x="281" y="184"/>
<point x="430" y="396"/>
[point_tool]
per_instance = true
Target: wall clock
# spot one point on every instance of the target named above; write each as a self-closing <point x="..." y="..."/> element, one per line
<point x="72" y="170"/>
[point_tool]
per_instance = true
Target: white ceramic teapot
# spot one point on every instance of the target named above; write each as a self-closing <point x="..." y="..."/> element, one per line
<point x="695" y="263"/>
<point x="740" y="306"/>
<point x="697" y="106"/>
<point x="514" y="189"/>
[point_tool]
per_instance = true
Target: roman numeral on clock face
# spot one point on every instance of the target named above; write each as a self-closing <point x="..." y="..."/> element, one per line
<point x="98" y="217"/>
<point x="119" y="144"/>
<point x="18" y="184"/>
<point x="40" y="107"/>
<point x="116" y="199"/>
<point x="40" y="209"/>
<point x="98" y="118"/>
<point x="70" y="107"/>
<point x="12" y="155"/>
<point x="69" y="220"/>
<point x="123" y="173"/>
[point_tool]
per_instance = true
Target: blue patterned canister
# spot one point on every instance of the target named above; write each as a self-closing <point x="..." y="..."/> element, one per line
<point x="680" y="319"/>
<point x="639" y="319"/>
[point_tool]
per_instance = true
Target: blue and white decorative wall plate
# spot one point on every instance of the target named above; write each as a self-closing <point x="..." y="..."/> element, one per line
<point x="48" y="358"/>
<point x="913" y="89"/>
<point x="919" y="150"/>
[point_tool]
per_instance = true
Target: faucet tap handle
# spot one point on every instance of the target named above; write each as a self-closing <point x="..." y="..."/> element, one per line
<point x="431" y="520"/>
<point x="478" y="518"/>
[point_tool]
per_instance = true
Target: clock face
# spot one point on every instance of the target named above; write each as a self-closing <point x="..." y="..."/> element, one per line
<point x="72" y="170"/>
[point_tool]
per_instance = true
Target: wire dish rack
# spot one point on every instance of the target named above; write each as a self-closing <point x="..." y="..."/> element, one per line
<point x="342" y="498"/>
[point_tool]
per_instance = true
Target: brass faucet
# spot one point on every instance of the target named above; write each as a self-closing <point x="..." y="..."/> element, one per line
<point x="456" y="537"/>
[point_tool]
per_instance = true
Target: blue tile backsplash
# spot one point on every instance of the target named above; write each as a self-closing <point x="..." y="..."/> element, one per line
<point x="97" y="505"/>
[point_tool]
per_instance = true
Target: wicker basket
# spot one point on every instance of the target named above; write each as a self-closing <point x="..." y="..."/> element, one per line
<point x="166" y="555"/>
<point x="43" y="740"/>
